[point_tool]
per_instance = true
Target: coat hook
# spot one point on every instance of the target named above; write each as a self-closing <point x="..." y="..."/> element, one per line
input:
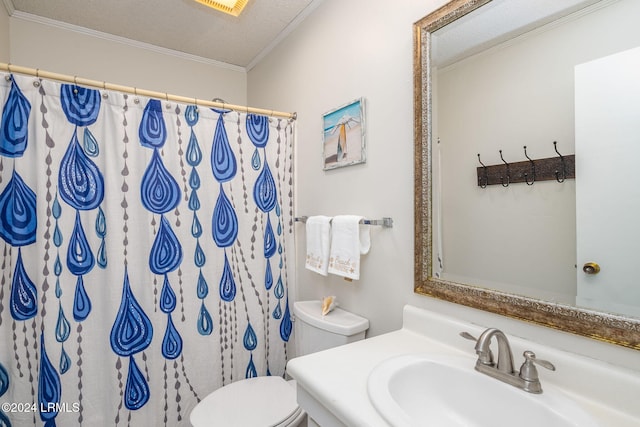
<point x="508" y="172"/>
<point x="486" y="177"/>
<point x="533" y="169"/>
<point x="564" y="166"/>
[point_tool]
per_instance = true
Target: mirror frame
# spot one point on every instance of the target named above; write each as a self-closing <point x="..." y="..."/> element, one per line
<point x="607" y="327"/>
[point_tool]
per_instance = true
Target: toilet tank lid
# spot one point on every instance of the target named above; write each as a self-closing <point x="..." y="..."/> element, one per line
<point x="337" y="321"/>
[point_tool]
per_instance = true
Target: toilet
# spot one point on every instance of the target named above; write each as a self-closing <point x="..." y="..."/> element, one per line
<point x="272" y="399"/>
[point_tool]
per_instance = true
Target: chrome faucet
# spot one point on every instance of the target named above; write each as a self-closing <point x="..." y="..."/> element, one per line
<point x="526" y="378"/>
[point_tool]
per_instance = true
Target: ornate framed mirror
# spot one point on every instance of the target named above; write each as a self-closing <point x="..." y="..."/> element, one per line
<point x="619" y="329"/>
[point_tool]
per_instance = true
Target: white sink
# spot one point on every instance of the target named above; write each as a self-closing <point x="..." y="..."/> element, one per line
<point x="446" y="391"/>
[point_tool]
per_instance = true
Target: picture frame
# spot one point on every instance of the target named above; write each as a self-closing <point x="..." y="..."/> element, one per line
<point x="343" y="138"/>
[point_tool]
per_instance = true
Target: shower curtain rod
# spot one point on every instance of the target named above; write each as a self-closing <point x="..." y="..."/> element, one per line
<point x="141" y="92"/>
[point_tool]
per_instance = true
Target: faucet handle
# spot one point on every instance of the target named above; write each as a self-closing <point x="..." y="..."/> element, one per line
<point x="468" y="336"/>
<point x="530" y="356"/>
<point x="529" y="373"/>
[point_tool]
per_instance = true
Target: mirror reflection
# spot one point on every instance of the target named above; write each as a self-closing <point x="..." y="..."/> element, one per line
<point x="511" y="75"/>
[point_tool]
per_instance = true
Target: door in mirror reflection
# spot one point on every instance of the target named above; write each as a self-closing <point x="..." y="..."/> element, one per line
<point x="607" y="92"/>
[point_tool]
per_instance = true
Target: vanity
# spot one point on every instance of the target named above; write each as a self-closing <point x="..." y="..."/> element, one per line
<point x="333" y="385"/>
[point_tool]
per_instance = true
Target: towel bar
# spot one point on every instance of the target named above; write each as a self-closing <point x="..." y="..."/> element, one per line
<point x="385" y="222"/>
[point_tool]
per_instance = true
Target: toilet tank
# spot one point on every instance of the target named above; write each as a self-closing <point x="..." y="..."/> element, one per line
<point x="315" y="332"/>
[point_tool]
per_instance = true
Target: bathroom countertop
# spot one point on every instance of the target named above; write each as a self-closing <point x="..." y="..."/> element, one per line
<point x="337" y="378"/>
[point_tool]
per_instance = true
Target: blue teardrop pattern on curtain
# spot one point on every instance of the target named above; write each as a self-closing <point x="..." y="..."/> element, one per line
<point x="159" y="191"/>
<point x="255" y="160"/>
<point x="264" y="190"/>
<point x="258" y="129"/>
<point x="152" y="130"/>
<point x="166" y="252"/>
<point x="80" y="182"/>
<point x="279" y="293"/>
<point x="131" y="333"/>
<point x="81" y="105"/>
<point x="136" y="391"/>
<point x="251" y="371"/>
<point x="205" y="323"/>
<point x="199" y="258"/>
<point x="57" y="236"/>
<point x="167" y="297"/>
<point x="49" y="386"/>
<point x="4" y="380"/>
<point x="101" y="232"/>
<point x="4" y="420"/>
<point x="225" y="221"/>
<point x="65" y="361"/>
<point x="23" y="300"/>
<point x="132" y="330"/>
<point x="250" y="340"/>
<point x="277" y="312"/>
<point x="101" y="224"/>
<point x="279" y="290"/>
<point x="18" y="212"/>
<point x="268" y="276"/>
<point x="202" y="288"/>
<point x="196" y="227"/>
<point x="194" y="201"/>
<point x="90" y="144"/>
<point x="193" y="153"/>
<point x="63" y="329"/>
<point x="191" y="115"/>
<point x="285" y="324"/>
<point x="194" y="158"/>
<point x="227" y="282"/>
<point x="270" y="243"/>
<point x="223" y="161"/>
<point x="172" y="342"/>
<point x="194" y="179"/>
<point x="4" y="386"/>
<point x="80" y="259"/>
<point x="81" y="301"/>
<point x="14" y="129"/>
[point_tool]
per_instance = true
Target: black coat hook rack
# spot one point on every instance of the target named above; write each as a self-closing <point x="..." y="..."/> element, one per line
<point x="557" y="168"/>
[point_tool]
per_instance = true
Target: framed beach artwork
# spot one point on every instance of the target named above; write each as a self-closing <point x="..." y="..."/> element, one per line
<point x="343" y="142"/>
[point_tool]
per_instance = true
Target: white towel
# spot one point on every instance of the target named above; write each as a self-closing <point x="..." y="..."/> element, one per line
<point x="318" y="243"/>
<point x="349" y="240"/>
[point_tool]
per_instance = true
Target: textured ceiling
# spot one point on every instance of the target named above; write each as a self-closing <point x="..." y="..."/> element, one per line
<point x="180" y="25"/>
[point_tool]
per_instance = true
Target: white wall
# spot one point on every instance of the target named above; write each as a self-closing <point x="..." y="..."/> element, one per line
<point x="4" y="35"/>
<point x="68" y="50"/>
<point x="364" y="48"/>
<point x="343" y="51"/>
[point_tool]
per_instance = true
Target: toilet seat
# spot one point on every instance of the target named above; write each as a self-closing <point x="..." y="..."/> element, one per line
<point x="254" y="402"/>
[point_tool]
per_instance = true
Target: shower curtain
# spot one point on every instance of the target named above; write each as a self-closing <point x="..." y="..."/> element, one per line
<point x="145" y="254"/>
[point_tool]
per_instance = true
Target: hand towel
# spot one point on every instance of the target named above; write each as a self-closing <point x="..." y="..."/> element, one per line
<point x="318" y="241"/>
<point x="349" y="240"/>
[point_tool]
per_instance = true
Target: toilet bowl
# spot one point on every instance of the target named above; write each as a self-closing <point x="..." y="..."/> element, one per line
<point x="260" y="401"/>
<point x="271" y="401"/>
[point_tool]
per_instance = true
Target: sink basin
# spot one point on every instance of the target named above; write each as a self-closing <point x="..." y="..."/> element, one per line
<point x="446" y="391"/>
